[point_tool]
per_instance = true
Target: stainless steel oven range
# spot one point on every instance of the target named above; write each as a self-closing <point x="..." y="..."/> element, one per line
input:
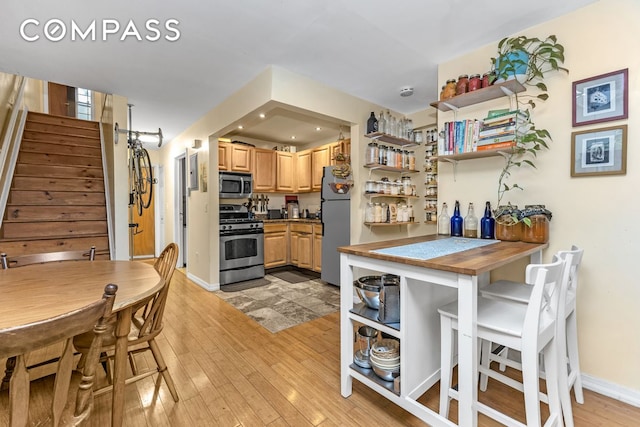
<point x="241" y="245"/>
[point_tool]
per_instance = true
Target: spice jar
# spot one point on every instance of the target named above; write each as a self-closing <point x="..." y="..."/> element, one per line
<point x="462" y="86"/>
<point x="538" y="231"/>
<point x="370" y="187"/>
<point x="475" y="82"/>
<point x="450" y="89"/>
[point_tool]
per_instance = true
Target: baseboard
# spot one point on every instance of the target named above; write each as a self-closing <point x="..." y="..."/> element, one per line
<point x="198" y="281"/>
<point x="612" y="390"/>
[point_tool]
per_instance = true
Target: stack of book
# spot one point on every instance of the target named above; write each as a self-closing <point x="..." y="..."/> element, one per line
<point x="499" y="130"/>
<point x="460" y="136"/>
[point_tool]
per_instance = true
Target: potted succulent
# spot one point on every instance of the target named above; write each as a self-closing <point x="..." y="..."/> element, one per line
<point x="533" y="59"/>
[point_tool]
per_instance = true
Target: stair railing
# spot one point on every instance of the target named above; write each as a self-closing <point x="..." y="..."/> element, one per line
<point x="11" y="144"/>
<point x="105" y="174"/>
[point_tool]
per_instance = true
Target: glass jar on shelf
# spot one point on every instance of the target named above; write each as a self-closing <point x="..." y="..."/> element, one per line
<point x="372" y="153"/>
<point x="475" y="82"/>
<point x="412" y="160"/>
<point x="370" y="187"/>
<point x="406" y="185"/>
<point x="377" y="212"/>
<point x="384" y="212"/>
<point x="450" y="89"/>
<point x="369" y="213"/>
<point x="462" y="85"/>
<point x="391" y="157"/>
<point x="382" y="154"/>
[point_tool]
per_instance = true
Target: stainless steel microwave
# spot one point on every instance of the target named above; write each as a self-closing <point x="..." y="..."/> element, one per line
<point x="235" y="185"/>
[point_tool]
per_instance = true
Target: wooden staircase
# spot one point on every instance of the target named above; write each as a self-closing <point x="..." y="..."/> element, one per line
<point x="57" y="198"/>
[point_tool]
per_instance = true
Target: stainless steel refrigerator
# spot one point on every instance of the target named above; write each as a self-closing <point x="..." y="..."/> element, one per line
<point x="336" y="219"/>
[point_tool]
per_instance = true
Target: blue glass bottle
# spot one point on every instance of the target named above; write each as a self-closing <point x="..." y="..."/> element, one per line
<point x="456" y="221"/>
<point x="487" y="224"/>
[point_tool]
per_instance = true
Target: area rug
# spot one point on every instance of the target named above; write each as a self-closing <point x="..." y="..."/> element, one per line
<point x="292" y="276"/>
<point x="243" y="286"/>
<point x="281" y="305"/>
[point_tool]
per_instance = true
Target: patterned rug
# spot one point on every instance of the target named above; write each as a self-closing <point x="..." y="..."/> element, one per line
<point x="281" y="305"/>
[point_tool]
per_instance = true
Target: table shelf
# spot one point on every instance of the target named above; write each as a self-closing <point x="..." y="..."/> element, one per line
<point x="402" y="142"/>
<point x="494" y="91"/>
<point x="377" y="166"/>
<point x="370" y="378"/>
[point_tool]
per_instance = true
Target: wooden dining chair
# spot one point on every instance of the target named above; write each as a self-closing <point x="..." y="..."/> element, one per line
<point x="24" y="404"/>
<point x="146" y="325"/>
<point x="39" y="258"/>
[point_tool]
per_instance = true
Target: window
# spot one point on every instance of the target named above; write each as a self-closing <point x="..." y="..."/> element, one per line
<point x="84" y="104"/>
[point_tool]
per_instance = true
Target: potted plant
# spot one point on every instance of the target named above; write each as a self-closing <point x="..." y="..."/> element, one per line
<point x="540" y="57"/>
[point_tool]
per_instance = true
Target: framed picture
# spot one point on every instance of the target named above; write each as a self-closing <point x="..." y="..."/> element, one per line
<point x="193" y="171"/>
<point x="599" y="152"/>
<point x="601" y="98"/>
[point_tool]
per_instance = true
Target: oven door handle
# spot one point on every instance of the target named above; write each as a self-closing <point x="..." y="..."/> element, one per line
<point x="252" y="232"/>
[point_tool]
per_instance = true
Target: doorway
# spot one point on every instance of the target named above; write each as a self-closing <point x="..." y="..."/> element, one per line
<point x="180" y="207"/>
<point x="62" y="100"/>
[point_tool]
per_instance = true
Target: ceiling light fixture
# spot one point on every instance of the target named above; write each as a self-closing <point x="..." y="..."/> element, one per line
<point x="240" y="127"/>
<point x="262" y="115"/>
<point x="318" y="128"/>
<point x="293" y="137"/>
<point x="406" y="91"/>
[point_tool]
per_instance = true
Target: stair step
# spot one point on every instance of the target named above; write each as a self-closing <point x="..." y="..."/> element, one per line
<point x="23" y="213"/>
<point x="16" y="247"/>
<point x="58" y="160"/>
<point x="61" y="120"/>
<point x="49" y="147"/>
<point x="21" y="183"/>
<point x="31" y="230"/>
<point x="56" y="198"/>
<point x="30" y="125"/>
<point x="57" y="171"/>
<point x="61" y="138"/>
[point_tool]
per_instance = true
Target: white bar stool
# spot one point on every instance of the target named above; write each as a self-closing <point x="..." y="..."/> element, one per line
<point x="570" y="376"/>
<point x="530" y="329"/>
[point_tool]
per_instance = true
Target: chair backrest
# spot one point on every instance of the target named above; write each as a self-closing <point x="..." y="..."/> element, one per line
<point x="16" y="341"/>
<point x="22" y="260"/>
<point x="150" y="323"/>
<point x="573" y="270"/>
<point x="542" y="310"/>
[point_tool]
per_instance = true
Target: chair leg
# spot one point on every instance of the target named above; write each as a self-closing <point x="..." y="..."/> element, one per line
<point x="574" y="360"/>
<point x="531" y="386"/>
<point x="162" y="368"/>
<point x="485" y="361"/>
<point x="446" y="363"/>
<point x="8" y="373"/>
<point x="551" y="358"/>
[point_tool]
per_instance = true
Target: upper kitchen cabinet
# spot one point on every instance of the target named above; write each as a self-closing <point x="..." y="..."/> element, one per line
<point x="285" y="171"/>
<point x="234" y="157"/>
<point x="303" y="170"/>
<point x="320" y="157"/>
<point x="224" y="156"/>
<point x="264" y="170"/>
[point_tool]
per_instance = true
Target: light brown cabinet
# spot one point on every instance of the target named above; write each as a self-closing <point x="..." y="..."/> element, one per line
<point x="317" y="247"/>
<point x="303" y="171"/>
<point x="264" y="170"/>
<point x="285" y="169"/>
<point x="224" y="156"/>
<point x="276" y="244"/>
<point x="292" y="243"/>
<point x="320" y="157"/>
<point x="302" y="245"/>
<point x="234" y="157"/>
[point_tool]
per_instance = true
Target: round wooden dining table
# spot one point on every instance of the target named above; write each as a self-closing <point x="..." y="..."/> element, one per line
<point x="37" y="292"/>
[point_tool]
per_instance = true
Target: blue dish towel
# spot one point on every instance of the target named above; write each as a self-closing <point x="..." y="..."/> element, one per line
<point x="435" y="248"/>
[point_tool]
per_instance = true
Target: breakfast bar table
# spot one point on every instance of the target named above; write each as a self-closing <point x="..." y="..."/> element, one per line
<point x="41" y="291"/>
<point x="434" y="270"/>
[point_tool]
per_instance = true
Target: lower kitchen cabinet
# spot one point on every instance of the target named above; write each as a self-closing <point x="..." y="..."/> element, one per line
<point x="302" y="245"/>
<point x="302" y="241"/>
<point x="317" y="247"/>
<point x="275" y="245"/>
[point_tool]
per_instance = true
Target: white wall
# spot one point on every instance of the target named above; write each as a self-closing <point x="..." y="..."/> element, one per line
<point x="595" y="213"/>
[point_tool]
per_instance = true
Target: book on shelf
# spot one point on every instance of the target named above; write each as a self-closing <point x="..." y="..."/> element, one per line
<point x="485" y="133"/>
<point x="515" y="115"/>
<point x="497" y="139"/>
<point x="497" y="145"/>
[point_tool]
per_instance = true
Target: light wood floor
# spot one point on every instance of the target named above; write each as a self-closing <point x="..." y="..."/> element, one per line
<point x="229" y="371"/>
